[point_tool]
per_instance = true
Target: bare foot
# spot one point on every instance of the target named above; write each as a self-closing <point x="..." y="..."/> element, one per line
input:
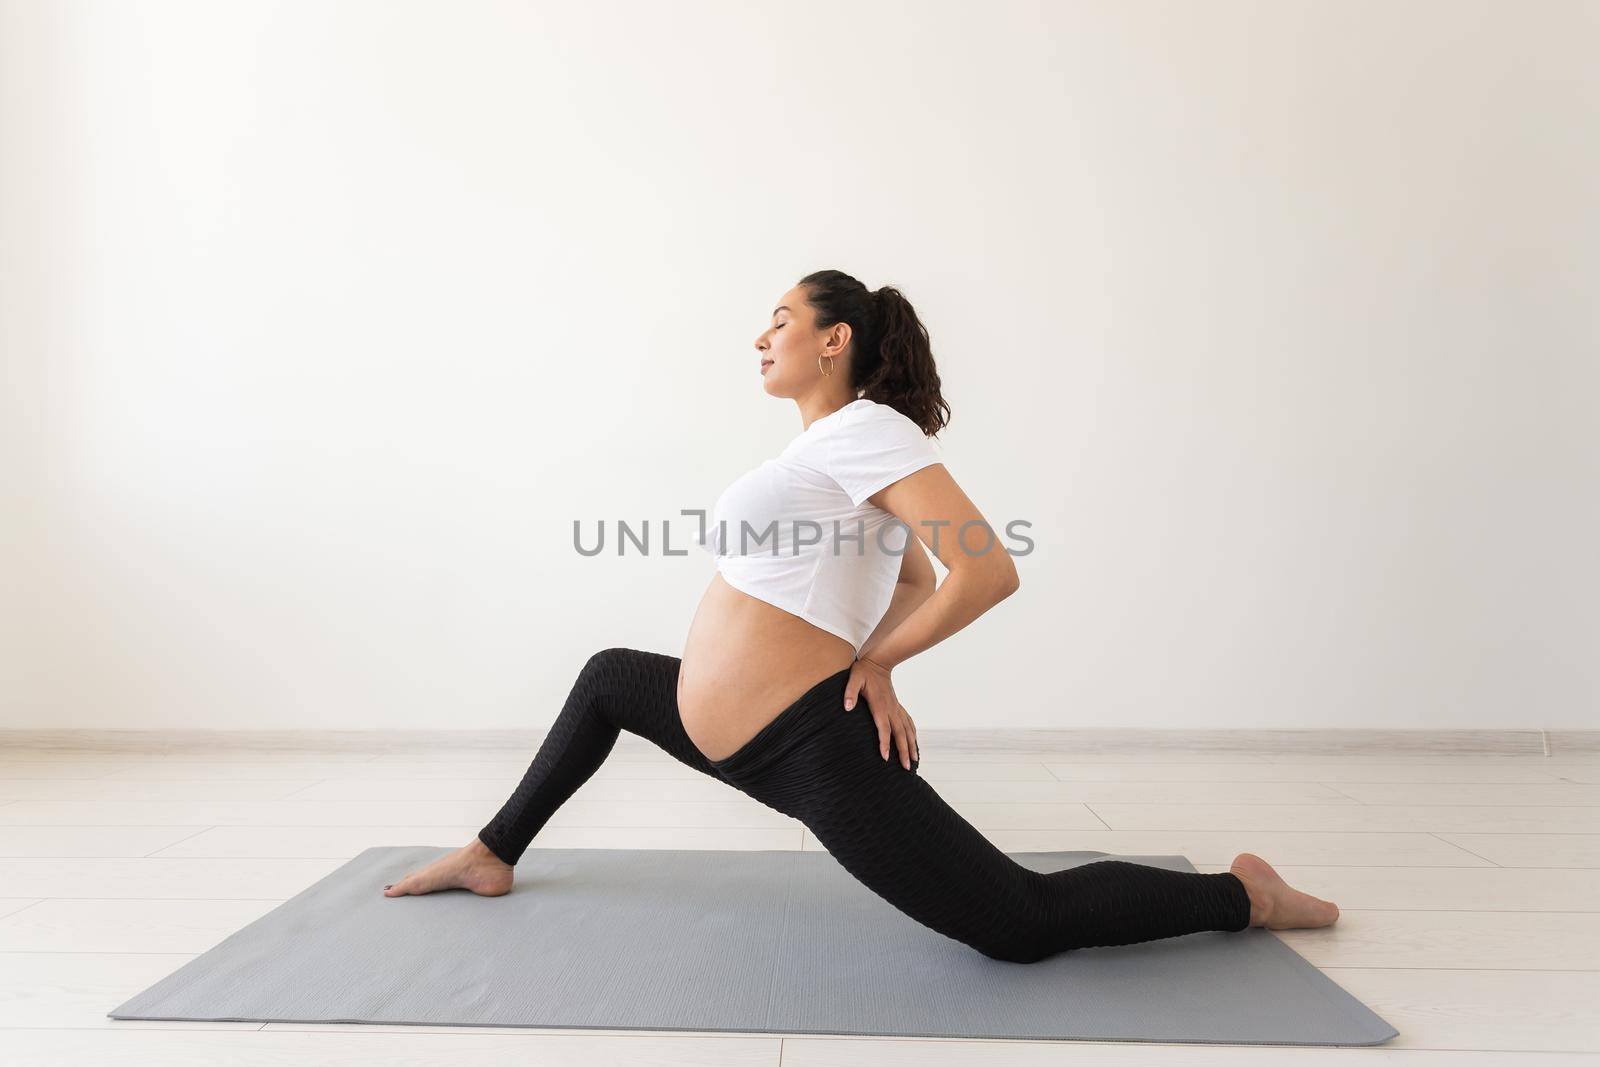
<point x="1274" y="903"/>
<point x="471" y="867"/>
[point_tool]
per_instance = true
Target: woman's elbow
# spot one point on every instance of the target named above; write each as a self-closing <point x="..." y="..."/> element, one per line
<point x="1000" y="578"/>
<point x="1009" y="581"/>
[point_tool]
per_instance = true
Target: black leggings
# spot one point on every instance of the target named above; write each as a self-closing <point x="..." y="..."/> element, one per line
<point x="821" y="765"/>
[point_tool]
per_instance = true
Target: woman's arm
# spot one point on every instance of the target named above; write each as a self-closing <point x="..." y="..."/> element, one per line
<point x="915" y="584"/>
<point x="980" y="576"/>
<point x="931" y="503"/>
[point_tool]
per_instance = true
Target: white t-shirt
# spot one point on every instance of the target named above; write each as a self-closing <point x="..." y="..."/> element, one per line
<point x="797" y="532"/>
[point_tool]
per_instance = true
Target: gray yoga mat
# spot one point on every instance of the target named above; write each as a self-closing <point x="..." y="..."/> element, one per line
<point x="781" y="942"/>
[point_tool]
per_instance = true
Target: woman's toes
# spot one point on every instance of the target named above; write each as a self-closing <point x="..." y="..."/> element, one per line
<point x="415" y="883"/>
<point x="1299" y="911"/>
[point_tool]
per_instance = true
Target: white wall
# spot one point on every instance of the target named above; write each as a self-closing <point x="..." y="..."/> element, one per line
<point x="321" y="322"/>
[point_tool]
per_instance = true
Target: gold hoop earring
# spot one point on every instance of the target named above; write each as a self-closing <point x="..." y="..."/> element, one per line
<point x="825" y="373"/>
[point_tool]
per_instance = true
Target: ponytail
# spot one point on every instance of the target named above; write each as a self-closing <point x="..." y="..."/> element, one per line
<point x="892" y="360"/>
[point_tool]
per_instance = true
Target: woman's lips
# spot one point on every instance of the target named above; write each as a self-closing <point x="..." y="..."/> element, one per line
<point x="765" y="364"/>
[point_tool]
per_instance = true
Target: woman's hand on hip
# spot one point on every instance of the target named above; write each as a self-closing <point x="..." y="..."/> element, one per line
<point x="872" y="681"/>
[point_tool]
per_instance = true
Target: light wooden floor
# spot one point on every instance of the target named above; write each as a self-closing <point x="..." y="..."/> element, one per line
<point x="1470" y="887"/>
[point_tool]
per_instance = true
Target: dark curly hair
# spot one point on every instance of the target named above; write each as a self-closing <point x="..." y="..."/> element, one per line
<point x="892" y="360"/>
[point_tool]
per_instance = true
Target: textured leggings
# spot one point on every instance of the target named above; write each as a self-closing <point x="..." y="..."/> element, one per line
<point x="884" y="824"/>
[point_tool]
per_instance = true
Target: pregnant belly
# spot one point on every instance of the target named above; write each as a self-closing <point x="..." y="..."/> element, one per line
<point x="744" y="661"/>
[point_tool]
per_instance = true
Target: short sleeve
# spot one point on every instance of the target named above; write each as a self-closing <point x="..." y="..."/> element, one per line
<point x="874" y="447"/>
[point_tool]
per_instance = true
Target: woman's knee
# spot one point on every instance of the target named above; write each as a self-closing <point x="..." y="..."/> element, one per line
<point x="1027" y="937"/>
<point x="615" y="668"/>
<point x="607" y="661"/>
<point x="601" y="678"/>
<point x="631" y="688"/>
<point x="1014" y="950"/>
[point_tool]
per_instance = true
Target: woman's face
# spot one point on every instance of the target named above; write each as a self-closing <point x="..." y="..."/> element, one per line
<point x="790" y="347"/>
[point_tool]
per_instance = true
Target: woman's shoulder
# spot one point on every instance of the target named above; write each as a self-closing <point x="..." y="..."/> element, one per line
<point x="870" y="415"/>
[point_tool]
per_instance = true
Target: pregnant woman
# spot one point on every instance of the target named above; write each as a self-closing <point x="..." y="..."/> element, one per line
<point x="785" y="689"/>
